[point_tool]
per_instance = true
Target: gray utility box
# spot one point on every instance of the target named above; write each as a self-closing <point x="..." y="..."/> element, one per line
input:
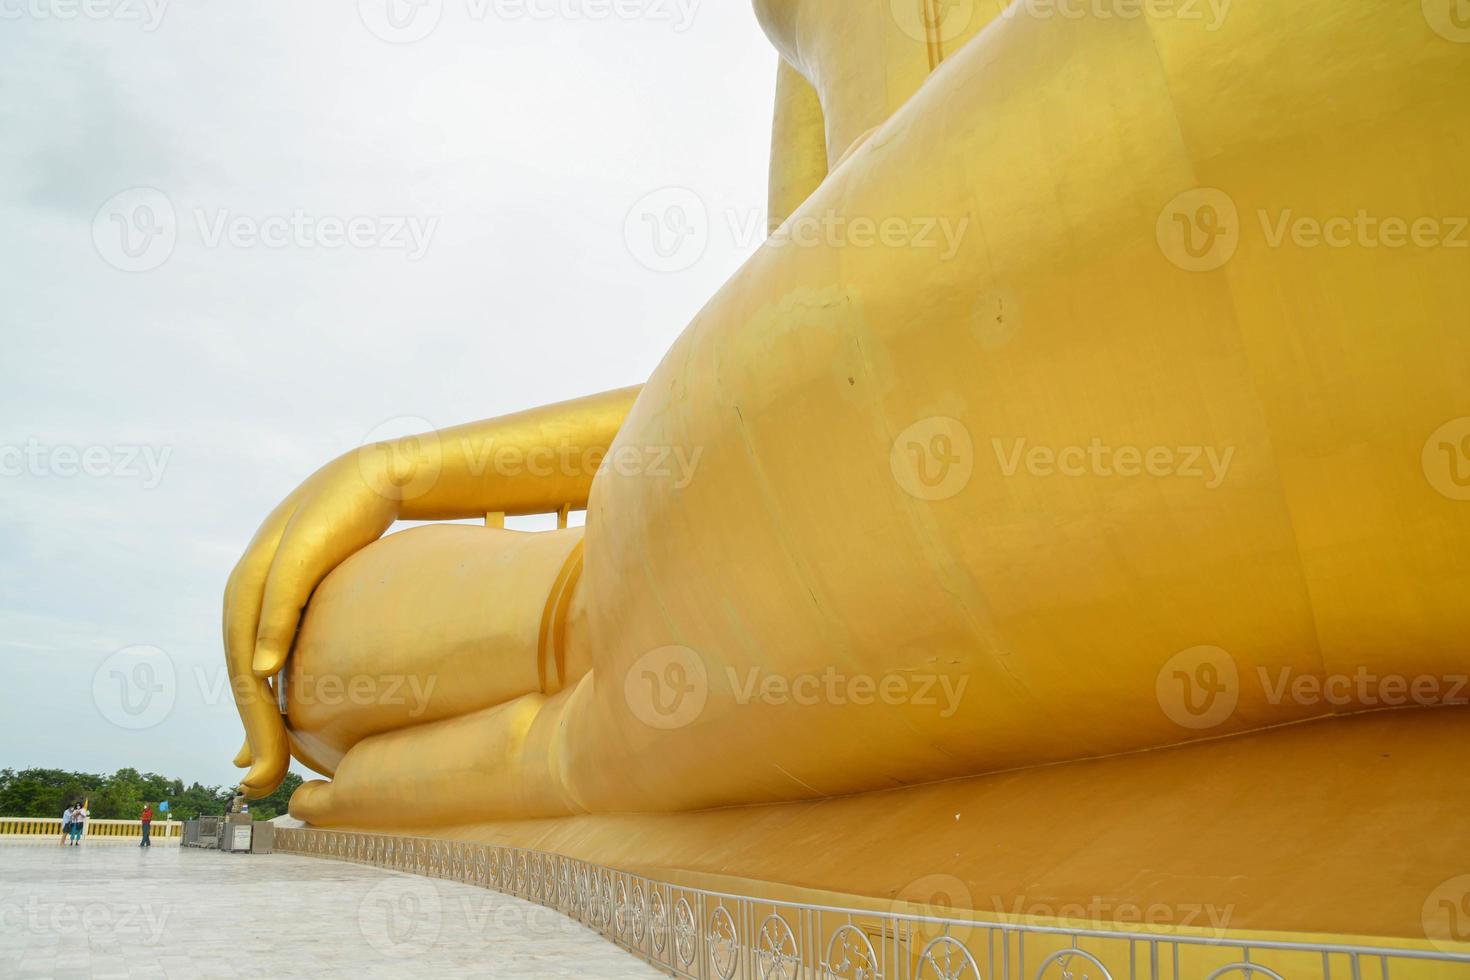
<point x="208" y="834"/>
<point x="236" y="833"/>
<point x="262" y="837"/>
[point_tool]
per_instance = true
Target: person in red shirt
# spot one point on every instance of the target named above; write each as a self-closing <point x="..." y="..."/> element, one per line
<point x="147" y="824"/>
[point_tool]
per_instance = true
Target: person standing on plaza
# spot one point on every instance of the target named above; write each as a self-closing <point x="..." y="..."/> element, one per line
<point x="147" y="820"/>
<point x="66" y="818"/>
<point x="78" y="824"/>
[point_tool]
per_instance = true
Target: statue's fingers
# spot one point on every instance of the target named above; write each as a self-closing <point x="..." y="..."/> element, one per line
<point x="269" y="767"/>
<point x="245" y="590"/>
<point x="319" y="538"/>
<point x="265" y="732"/>
<point x="266" y="751"/>
<point x="243" y="597"/>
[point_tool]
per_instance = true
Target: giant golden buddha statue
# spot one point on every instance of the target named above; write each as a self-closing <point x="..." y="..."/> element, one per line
<point x="1086" y="557"/>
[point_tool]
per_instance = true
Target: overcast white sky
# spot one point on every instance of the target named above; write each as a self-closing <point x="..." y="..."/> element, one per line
<point x="149" y="419"/>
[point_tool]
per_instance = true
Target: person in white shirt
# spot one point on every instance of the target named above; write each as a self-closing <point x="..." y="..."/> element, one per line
<point x="78" y="824"/>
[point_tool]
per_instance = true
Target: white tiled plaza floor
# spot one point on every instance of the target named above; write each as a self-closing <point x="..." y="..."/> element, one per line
<point x="117" y="910"/>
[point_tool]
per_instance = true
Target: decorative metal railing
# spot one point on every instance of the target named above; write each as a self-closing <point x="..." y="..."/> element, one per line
<point x="51" y="827"/>
<point x="709" y="935"/>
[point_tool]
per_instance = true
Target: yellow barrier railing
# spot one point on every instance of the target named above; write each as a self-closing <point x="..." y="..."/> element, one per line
<point x="51" y="827"/>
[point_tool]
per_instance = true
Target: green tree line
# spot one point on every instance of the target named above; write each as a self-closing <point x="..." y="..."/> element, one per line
<point x="121" y="796"/>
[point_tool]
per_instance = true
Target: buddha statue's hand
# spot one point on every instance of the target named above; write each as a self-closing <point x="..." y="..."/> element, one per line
<point x="345" y="506"/>
<point x="340" y="509"/>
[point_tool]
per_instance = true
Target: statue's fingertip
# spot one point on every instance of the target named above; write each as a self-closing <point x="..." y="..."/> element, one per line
<point x="264" y="777"/>
<point x="267" y="662"/>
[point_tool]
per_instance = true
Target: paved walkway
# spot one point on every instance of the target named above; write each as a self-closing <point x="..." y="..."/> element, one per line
<point x="116" y="910"/>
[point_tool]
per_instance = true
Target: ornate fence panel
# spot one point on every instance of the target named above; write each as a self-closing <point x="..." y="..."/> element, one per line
<point x="706" y="935"/>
